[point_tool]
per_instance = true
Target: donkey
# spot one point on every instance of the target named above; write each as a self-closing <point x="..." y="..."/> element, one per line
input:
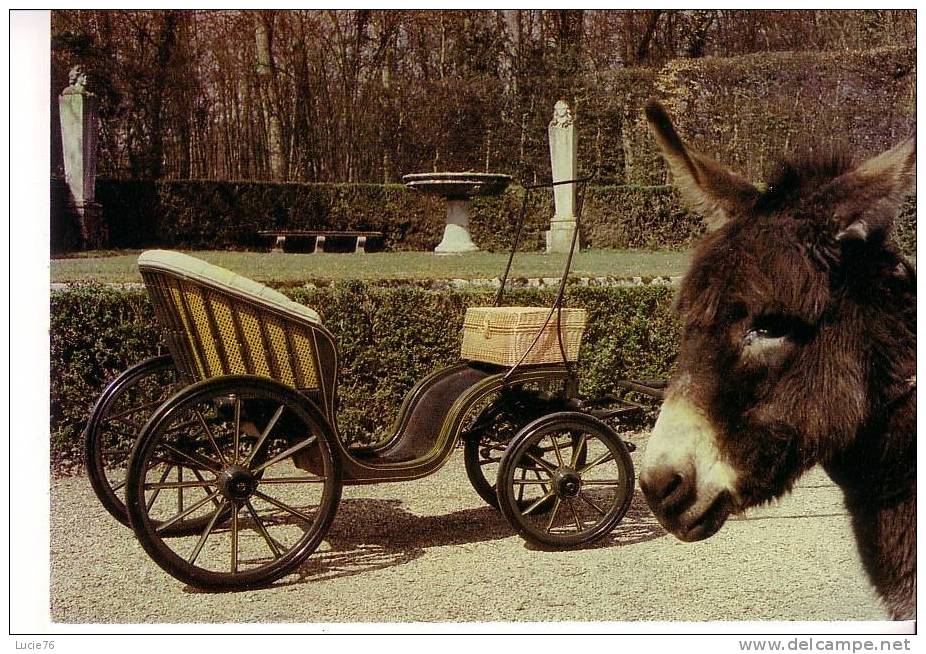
<point x="798" y="348"/>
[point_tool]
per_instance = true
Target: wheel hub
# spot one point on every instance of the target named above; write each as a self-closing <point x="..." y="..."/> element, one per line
<point x="237" y="483"/>
<point x="567" y="483"/>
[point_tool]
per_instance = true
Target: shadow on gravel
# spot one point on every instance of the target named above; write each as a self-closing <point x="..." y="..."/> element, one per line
<point x="372" y="534"/>
<point x="638" y="526"/>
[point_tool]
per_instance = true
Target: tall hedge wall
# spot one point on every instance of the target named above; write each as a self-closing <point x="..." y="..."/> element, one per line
<point x="388" y="339"/>
<point x="747" y="111"/>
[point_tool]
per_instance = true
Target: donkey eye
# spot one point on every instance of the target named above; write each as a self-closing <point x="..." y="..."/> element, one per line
<point x="772" y="327"/>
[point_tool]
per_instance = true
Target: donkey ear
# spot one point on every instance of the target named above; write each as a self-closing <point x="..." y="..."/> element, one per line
<point x="717" y="194"/>
<point x="872" y="194"/>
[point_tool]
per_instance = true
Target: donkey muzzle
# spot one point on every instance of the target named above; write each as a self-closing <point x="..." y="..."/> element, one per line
<point x="688" y="486"/>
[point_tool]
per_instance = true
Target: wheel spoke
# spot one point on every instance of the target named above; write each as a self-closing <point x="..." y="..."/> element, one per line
<point x="237" y="437"/>
<point x="559" y="456"/>
<point x="294" y="480"/>
<point x="180" y="490"/>
<point x="234" y="538"/>
<point x="210" y="437"/>
<point x="264" y="435"/>
<point x="120" y="453"/>
<point x="208" y="530"/>
<point x="575" y="514"/>
<point x="141" y="407"/>
<point x="208" y="487"/>
<point x="285" y="454"/>
<point x="521" y="487"/>
<point x="157" y="491"/>
<point x="521" y="482"/>
<point x="577" y="451"/>
<point x="587" y="500"/>
<point x="539" y="478"/>
<point x="533" y="506"/>
<point x="180" y="426"/>
<point x="190" y="509"/>
<point x="131" y="423"/>
<point x="285" y="507"/>
<point x="198" y="459"/>
<point x="543" y="464"/>
<point x="556" y="505"/>
<point x="607" y="456"/>
<point x="262" y="529"/>
<point x="486" y="462"/>
<point x="601" y="482"/>
<point x="119" y="485"/>
<point x="179" y="484"/>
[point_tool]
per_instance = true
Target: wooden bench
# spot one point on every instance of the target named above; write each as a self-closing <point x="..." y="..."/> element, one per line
<point x="318" y="236"/>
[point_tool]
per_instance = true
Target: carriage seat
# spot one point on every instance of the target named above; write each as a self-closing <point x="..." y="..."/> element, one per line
<point x="197" y="269"/>
<point x="217" y="322"/>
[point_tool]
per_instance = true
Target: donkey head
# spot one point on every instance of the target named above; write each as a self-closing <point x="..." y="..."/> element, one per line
<point x="773" y="373"/>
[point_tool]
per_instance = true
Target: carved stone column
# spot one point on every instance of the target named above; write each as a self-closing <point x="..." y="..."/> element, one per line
<point x="562" y="134"/>
<point x="79" y="115"/>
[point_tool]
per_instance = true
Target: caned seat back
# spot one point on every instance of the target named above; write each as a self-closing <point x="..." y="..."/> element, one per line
<point x="217" y="322"/>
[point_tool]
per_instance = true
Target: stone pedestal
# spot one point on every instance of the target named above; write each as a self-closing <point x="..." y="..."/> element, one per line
<point x="563" y="163"/>
<point x="559" y="236"/>
<point x="79" y="127"/>
<point x="93" y="232"/>
<point x="456" y="231"/>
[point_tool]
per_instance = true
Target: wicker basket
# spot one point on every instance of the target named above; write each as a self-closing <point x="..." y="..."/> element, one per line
<point x="501" y="335"/>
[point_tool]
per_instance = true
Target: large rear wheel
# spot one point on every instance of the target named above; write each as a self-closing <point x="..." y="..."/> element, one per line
<point x="265" y="487"/>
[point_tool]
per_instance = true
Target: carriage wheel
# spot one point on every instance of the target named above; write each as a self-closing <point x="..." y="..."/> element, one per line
<point x="117" y="420"/>
<point x="588" y="498"/>
<point x="276" y="489"/>
<point x="483" y="449"/>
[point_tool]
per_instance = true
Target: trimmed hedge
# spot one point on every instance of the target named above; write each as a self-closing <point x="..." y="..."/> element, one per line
<point x="209" y="215"/>
<point x="388" y="339"/>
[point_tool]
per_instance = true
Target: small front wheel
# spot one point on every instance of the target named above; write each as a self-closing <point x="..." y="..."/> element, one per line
<point x="265" y="486"/>
<point x="578" y="464"/>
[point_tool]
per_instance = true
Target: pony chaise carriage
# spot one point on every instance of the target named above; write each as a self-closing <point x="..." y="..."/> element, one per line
<point x="225" y="456"/>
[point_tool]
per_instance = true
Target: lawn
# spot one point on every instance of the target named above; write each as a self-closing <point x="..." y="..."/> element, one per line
<point x="288" y="269"/>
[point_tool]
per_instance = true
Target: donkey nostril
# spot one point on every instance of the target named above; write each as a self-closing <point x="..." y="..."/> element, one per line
<point x="667" y="489"/>
<point x="674" y="483"/>
<point x="659" y="483"/>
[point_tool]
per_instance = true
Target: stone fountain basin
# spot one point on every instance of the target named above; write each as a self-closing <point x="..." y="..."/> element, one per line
<point x="458" y="185"/>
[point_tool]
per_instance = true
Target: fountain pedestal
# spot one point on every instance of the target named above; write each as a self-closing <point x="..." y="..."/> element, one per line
<point x="457" y="189"/>
<point x="456" y="231"/>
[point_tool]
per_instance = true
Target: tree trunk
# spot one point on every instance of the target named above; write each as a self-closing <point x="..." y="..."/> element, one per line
<point x="643" y="47"/>
<point x="266" y="78"/>
<point x="166" y="43"/>
<point x="511" y="51"/>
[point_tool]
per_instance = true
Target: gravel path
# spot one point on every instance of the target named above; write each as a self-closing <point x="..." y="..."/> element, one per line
<point x="430" y="550"/>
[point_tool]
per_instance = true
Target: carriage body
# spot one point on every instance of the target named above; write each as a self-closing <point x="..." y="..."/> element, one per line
<point x="217" y="323"/>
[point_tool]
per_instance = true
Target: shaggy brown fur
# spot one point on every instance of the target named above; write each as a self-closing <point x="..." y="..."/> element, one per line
<point x="799" y="342"/>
